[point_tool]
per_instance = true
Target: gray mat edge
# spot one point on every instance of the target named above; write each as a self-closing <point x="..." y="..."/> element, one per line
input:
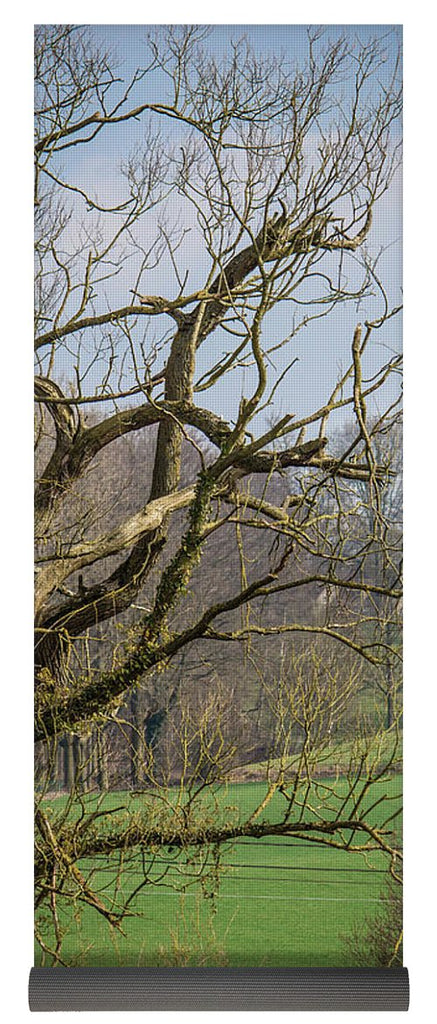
<point x="214" y="988"/>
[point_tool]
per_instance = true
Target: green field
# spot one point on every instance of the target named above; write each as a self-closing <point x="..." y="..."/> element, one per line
<point x="280" y="902"/>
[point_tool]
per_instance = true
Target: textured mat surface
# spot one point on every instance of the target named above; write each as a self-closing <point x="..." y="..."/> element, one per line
<point x="217" y="989"/>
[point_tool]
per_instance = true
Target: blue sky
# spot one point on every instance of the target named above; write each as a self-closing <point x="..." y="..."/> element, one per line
<point x="321" y="350"/>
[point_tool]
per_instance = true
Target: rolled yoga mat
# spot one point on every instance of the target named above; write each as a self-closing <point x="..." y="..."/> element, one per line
<point x="212" y="988"/>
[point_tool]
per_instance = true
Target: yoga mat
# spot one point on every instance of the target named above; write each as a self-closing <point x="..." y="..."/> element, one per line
<point x="218" y="518"/>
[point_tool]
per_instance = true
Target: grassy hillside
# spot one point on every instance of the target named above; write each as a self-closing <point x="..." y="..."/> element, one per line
<point x="336" y="760"/>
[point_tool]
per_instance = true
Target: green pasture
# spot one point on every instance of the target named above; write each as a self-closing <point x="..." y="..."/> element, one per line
<point x="279" y="902"/>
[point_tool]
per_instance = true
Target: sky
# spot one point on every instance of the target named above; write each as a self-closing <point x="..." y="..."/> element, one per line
<point x="321" y="351"/>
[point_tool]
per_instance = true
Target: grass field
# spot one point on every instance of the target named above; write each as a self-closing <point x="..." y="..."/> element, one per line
<point x="280" y="902"/>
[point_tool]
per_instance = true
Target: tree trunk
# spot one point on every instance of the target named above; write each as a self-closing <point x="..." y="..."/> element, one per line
<point x="69" y="762"/>
<point x="102" y="761"/>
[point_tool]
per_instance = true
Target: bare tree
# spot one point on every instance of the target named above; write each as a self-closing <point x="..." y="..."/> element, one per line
<point x="251" y="192"/>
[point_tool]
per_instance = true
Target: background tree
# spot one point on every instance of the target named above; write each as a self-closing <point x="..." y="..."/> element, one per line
<point x="240" y="218"/>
